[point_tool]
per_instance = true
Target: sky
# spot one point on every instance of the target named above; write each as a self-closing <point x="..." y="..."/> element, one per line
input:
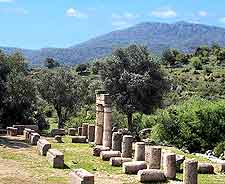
<point x="35" y="24"/>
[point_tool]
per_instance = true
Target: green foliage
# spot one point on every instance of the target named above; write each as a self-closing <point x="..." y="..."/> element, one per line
<point x="134" y="81"/>
<point x="219" y="149"/>
<point x="63" y="90"/>
<point x="196" y="63"/>
<point x="196" y="124"/>
<point x="17" y="90"/>
<point x="51" y="63"/>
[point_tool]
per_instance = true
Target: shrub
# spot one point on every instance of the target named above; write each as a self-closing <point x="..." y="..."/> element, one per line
<point x="219" y="149"/>
<point x="196" y="63"/>
<point x="196" y="124"/>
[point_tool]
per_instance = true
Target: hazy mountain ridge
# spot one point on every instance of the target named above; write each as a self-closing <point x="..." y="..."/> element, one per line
<point x="157" y="36"/>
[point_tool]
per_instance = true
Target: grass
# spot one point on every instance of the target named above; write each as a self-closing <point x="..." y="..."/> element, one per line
<point x="37" y="168"/>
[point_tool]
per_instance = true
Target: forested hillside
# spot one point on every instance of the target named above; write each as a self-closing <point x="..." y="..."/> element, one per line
<point x="156" y="36"/>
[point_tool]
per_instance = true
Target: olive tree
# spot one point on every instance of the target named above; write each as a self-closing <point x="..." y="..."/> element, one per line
<point x="63" y="90"/>
<point x="134" y="81"/>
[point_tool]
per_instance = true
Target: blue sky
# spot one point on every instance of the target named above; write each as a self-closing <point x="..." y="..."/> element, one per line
<point x="37" y="24"/>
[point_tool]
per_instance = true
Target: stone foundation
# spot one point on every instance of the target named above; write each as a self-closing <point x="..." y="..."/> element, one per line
<point x="106" y="155"/>
<point x="134" y="167"/>
<point x="43" y="146"/>
<point x="55" y="158"/>
<point x="205" y="168"/>
<point x="79" y="139"/>
<point x="98" y="149"/>
<point x="118" y="161"/>
<point x="81" y="176"/>
<point x="34" y="138"/>
<point x="151" y="175"/>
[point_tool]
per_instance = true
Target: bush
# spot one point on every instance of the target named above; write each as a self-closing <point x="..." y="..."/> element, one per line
<point x="196" y="63"/>
<point x="196" y="124"/>
<point x="219" y="149"/>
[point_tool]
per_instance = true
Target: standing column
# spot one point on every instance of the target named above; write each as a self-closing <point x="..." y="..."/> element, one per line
<point x="139" y="154"/>
<point x="80" y="131"/>
<point x="127" y="146"/>
<point x="117" y="141"/>
<point x="169" y="165"/>
<point x="107" y="133"/>
<point x="190" y="175"/>
<point x="99" y="124"/>
<point x="154" y="158"/>
<point x="91" y="133"/>
<point x="85" y="129"/>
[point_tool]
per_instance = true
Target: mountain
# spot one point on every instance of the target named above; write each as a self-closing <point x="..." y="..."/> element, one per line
<point x="157" y="36"/>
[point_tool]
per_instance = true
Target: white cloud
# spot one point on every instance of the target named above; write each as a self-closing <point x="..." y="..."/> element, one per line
<point x="222" y="20"/>
<point x="72" y="12"/>
<point x="202" y="13"/>
<point x="6" y="1"/>
<point x="164" y="13"/>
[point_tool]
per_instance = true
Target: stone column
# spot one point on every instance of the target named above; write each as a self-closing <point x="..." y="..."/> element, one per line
<point x="85" y="129"/>
<point x="80" y="131"/>
<point x="154" y="157"/>
<point x="107" y="133"/>
<point x="139" y="154"/>
<point x="117" y="141"/>
<point x="190" y="175"/>
<point x="127" y="146"/>
<point x="169" y="165"/>
<point x="99" y="124"/>
<point x="91" y="133"/>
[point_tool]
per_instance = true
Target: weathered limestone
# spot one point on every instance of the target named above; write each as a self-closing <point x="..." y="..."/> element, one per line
<point x="32" y="127"/>
<point x="25" y="132"/>
<point x="99" y="124"/>
<point x="58" y="139"/>
<point x="72" y="131"/>
<point x="43" y="146"/>
<point x="151" y="175"/>
<point x="117" y="138"/>
<point x="205" y="168"/>
<point x="34" y="138"/>
<point x="81" y="176"/>
<point x="134" y="167"/>
<point x="222" y="167"/>
<point x="91" y="133"/>
<point x="98" y="149"/>
<point x="11" y="131"/>
<point x="190" y="175"/>
<point x="153" y="157"/>
<point x="55" y="158"/>
<point x="118" y="161"/>
<point x="169" y="165"/>
<point x="127" y="146"/>
<point x="79" y="139"/>
<point x="55" y="132"/>
<point x="139" y="154"/>
<point x="20" y="129"/>
<point x="79" y="131"/>
<point x="85" y="130"/>
<point x="107" y="130"/>
<point x="106" y="155"/>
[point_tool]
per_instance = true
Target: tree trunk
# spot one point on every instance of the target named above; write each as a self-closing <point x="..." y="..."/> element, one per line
<point x="129" y="121"/>
<point x="60" y="119"/>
